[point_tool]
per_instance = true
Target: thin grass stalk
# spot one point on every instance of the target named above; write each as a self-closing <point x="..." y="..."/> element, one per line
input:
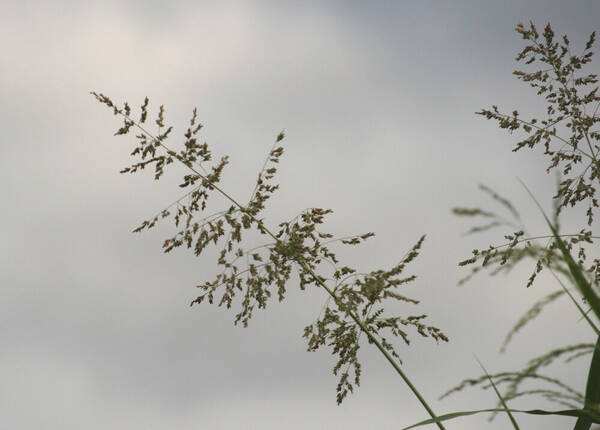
<point x="504" y="405"/>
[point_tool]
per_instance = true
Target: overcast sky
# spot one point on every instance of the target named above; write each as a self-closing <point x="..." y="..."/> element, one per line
<point x="377" y="100"/>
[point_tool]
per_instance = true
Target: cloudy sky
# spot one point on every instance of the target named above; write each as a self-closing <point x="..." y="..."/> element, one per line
<point x="377" y="100"/>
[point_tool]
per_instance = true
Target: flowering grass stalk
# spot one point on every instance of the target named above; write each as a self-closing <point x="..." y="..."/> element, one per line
<point x="357" y="298"/>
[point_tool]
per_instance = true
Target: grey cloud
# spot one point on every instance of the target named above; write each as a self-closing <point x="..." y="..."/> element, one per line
<point x="377" y="103"/>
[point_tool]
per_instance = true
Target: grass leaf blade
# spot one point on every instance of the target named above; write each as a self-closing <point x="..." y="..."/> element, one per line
<point x="592" y="391"/>
<point x="579" y="413"/>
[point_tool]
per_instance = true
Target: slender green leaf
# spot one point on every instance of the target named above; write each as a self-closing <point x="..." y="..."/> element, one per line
<point x="594" y="417"/>
<point x="592" y="391"/>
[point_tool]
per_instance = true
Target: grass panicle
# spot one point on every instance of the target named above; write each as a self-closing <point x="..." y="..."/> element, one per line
<point x="358" y="303"/>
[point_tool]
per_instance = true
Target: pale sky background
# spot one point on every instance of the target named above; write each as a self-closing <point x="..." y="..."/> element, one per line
<point x="377" y="100"/>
